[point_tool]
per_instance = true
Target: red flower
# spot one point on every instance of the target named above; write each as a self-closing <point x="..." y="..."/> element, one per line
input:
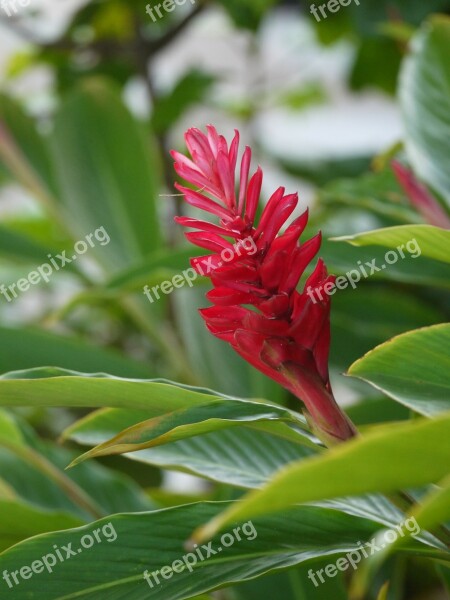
<point x="255" y="271"/>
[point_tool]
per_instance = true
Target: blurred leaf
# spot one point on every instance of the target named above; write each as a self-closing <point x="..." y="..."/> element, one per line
<point x="432" y="242"/>
<point x="23" y="150"/>
<point x="25" y="521"/>
<point x="104" y="181"/>
<point x="20" y="62"/>
<point x="153" y="270"/>
<point x="34" y="484"/>
<point x="377" y="193"/>
<point x="422" y="456"/>
<point x="189" y="90"/>
<point x="372" y="411"/>
<point x="377" y="65"/>
<point x="434" y="508"/>
<point x="304" y="97"/>
<point x="247" y="14"/>
<point x="343" y="258"/>
<point x="322" y="171"/>
<point x="398" y="31"/>
<point x="369" y="315"/>
<point x="30" y="348"/>
<point x="113" y="20"/>
<point x="425" y="104"/>
<point x="412" y="369"/>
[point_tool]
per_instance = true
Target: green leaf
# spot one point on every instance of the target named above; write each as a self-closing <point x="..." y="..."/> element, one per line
<point x="153" y="270"/>
<point x="190" y="422"/>
<point x="240" y="456"/>
<point x="425" y="103"/>
<point x="247" y="14"/>
<point x="104" y="488"/>
<point x="9" y="431"/>
<point x="377" y="63"/>
<point x="24" y="152"/>
<point x="343" y="258"/>
<point x="412" y="369"/>
<point x="61" y="387"/>
<point x="415" y="241"/>
<point x="30" y="348"/>
<point x="104" y="181"/>
<point x="14" y="245"/>
<point x="375" y="193"/>
<point x="422" y="456"/>
<point x="434" y="508"/>
<point x="371" y="315"/>
<point x="150" y="541"/>
<point x="293" y="584"/>
<point x="25" y="520"/>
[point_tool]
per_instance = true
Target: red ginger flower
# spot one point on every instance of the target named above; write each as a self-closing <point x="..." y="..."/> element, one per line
<point x="286" y="333"/>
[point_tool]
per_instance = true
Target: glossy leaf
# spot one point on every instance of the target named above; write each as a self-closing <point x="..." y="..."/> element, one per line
<point x="412" y="368"/>
<point x="190" y="422"/>
<point x="239" y="456"/>
<point x="422" y="456"/>
<point x="149" y="541"/>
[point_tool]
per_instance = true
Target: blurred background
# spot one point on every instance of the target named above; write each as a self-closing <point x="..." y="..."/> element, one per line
<point x="93" y="97"/>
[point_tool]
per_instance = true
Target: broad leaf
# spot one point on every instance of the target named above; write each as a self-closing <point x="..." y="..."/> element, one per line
<point x="149" y="541"/>
<point x="422" y="456"/>
<point x="25" y="520"/>
<point x="240" y="456"/>
<point x="412" y="368"/>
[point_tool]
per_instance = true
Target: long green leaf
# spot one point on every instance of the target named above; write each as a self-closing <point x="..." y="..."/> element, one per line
<point x="150" y="541"/>
<point x="422" y="456"/>
<point x="412" y="368"/>
<point x="425" y="102"/>
<point x="190" y="422"/>
<point x="29" y="348"/>
<point x="104" y="181"/>
<point x="240" y="456"/>
<point x="414" y="241"/>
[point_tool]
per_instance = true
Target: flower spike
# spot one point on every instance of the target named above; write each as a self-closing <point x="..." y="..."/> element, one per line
<point x="257" y="308"/>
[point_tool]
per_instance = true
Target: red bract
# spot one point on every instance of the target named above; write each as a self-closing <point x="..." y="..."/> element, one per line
<point x="422" y="200"/>
<point x="255" y="271"/>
